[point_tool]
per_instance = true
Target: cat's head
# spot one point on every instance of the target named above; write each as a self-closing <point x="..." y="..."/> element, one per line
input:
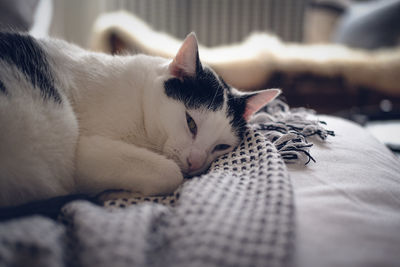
<point x="209" y="116"/>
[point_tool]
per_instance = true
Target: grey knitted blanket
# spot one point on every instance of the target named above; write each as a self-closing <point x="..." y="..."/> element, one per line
<point x="240" y="213"/>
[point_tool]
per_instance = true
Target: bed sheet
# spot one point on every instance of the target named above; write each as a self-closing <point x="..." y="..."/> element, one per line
<point x="348" y="202"/>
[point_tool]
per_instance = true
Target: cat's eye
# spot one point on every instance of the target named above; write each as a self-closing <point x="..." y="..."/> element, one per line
<point x="221" y="147"/>
<point x="191" y="124"/>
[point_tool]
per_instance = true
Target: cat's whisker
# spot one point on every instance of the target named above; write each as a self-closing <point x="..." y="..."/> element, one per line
<point x="213" y="99"/>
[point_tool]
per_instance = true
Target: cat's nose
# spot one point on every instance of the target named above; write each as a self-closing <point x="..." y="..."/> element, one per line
<point x="196" y="159"/>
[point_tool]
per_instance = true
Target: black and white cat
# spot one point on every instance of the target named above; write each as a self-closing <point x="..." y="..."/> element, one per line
<point x="78" y="121"/>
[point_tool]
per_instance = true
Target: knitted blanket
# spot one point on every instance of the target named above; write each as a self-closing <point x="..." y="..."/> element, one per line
<point x="240" y="213"/>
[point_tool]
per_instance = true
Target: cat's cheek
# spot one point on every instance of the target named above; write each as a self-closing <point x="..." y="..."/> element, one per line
<point x="165" y="181"/>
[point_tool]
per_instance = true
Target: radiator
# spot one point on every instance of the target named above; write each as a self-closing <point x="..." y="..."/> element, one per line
<point x="218" y="21"/>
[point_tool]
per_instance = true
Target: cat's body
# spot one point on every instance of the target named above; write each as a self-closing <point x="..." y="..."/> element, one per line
<point x="76" y="121"/>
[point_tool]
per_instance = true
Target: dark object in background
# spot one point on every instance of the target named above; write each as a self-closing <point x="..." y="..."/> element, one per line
<point x="327" y="94"/>
<point x="370" y="25"/>
<point x="17" y="15"/>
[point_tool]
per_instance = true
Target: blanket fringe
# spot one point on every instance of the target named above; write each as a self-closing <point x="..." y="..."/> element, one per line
<point x="290" y="130"/>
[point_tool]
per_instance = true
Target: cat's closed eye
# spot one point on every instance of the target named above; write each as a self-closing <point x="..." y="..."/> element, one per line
<point x="221" y="147"/>
<point x="191" y="124"/>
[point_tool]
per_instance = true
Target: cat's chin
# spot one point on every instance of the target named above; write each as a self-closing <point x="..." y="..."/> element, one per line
<point x="184" y="169"/>
<point x="189" y="175"/>
<point x="199" y="172"/>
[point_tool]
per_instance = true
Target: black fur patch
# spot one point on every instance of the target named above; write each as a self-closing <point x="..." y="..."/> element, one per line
<point x="3" y="88"/>
<point x="206" y="90"/>
<point x="236" y="109"/>
<point x="25" y="53"/>
<point x="203" y="90"/>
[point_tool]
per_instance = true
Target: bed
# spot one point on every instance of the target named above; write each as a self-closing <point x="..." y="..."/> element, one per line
<point x="260" y="205"/>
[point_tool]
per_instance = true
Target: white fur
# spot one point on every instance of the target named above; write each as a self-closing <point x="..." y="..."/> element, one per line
<point x="37" y="143"/>
<point x="115" y="129"/>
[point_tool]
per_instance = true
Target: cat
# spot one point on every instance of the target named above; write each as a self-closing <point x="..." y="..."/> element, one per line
<point x="75" y="121"/>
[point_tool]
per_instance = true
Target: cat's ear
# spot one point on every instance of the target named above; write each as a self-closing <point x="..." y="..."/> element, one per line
<point x="255" y="101"/>
<point x="186" y="62"/>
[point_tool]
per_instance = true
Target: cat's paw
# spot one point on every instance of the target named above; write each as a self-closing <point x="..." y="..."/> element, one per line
<point x="166" y="179"/>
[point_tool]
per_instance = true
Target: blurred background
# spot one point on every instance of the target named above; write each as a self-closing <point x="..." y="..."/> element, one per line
<point x="369" y="26"/>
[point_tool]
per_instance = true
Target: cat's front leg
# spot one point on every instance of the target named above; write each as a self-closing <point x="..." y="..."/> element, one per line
<point x="103" y="163"/>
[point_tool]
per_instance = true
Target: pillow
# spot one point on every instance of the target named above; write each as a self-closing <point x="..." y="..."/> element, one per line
<point x="348" y="202"/>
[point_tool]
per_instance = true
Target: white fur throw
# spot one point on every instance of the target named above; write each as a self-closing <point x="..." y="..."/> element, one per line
<point x="250" y="64"/>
